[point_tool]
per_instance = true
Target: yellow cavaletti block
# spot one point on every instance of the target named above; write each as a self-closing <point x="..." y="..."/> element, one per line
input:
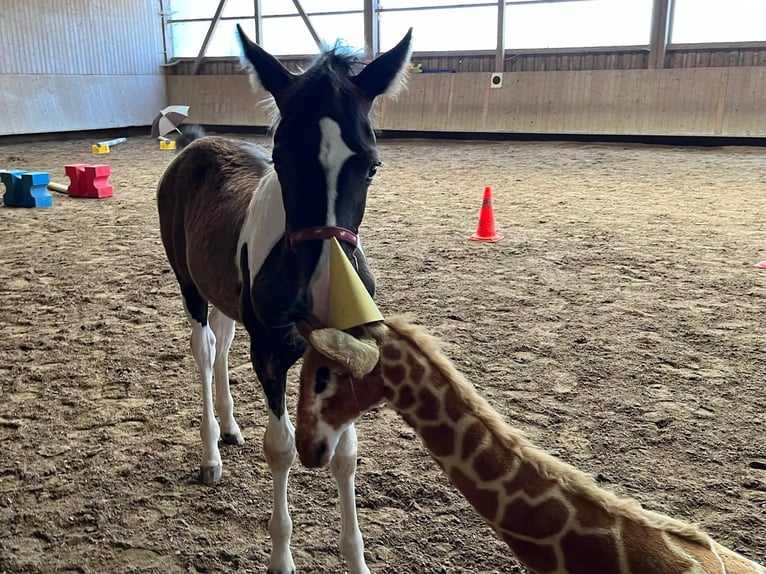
<point x="350" y="305"/>
<point x="95" y="148"/>
<point x="167" y="144"/>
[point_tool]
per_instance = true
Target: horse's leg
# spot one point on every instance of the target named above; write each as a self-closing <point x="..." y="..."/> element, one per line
<point x="279" y="449"/>
<point x="203" y="349"/>
<point x="271" y="367"/>
<point x="223" y="329"/>
<point x="343" y="465"/>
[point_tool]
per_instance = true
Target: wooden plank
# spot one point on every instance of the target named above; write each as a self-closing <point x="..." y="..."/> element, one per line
<point x="467" y="103"/>
<point x="220" y="100"/>
<point x="743" y="109"/>
<point x="721" y="105"/>
<point x="677" y="101"/>
<point x="436" y="101"/>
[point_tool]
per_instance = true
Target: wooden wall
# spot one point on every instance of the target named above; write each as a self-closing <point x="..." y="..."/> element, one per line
<point x="721" y="101"/>
<point x="560" y="60"/>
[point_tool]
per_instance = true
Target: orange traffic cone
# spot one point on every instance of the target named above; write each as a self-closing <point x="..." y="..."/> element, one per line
<point x="485" y="231"/>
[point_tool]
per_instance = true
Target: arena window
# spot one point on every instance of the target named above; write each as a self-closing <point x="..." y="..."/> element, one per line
<point x="283" y="29"/>
<point x="284" y="32"/>
<point x="714" y="21"/>
<point x="441" y="25"/>
<point x="464" y="25"/>
<point x="533" y="24"/>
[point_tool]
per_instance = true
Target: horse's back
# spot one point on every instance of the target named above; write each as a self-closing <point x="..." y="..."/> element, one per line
<point x="202" y="201"/>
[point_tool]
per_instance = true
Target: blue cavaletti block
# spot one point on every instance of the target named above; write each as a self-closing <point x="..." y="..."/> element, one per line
<point x="26" y="188"/>
<point x="35" y="189"/>
<point x="10" y="180"/>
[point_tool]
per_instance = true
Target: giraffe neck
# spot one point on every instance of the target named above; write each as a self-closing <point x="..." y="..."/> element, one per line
<point x="451" y="420"/>
<point x="553" y="517"/>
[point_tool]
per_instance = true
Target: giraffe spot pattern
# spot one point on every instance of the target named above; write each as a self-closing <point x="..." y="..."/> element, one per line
<point x="528" y="480"/>
<point x="440" y="439"/>
<point x="405" y="398"/>
<point x="588" y="513"/>
<point x="483" y="500"/>
<point x="540" y="520"/>
<point x="417" y="369"/>
<point x="539" y="558"/>
<point x="453" y="405"/>
<point x="589" y="553"/>
<point x="428" y="409"/>
<point x="591" y="534"/>
<point x="391" y="353"/>
<point x="394" y="374"/>
<point x="492" y="463"/>
<point x="472" y="438"/>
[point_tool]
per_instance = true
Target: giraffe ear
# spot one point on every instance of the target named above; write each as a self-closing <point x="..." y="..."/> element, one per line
<point x="359" y="356"/>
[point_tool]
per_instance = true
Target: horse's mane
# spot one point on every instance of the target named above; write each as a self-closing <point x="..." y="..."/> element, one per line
<point x="566" y="476"/>
<point x="337" y="64"/>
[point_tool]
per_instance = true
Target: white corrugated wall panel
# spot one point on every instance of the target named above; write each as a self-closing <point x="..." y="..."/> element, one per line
<point x="78" y="57"/>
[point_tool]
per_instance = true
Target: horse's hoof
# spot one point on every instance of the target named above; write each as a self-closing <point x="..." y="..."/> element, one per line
<point x="233" y="439"/>
<point x="270" y="571"/>
<point x="210" y="474"/>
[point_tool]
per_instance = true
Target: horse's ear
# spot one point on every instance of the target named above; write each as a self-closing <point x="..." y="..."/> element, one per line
<point x="386" y="73"/>
<point x="359" y="356"/>
<point x="266" y="69"/>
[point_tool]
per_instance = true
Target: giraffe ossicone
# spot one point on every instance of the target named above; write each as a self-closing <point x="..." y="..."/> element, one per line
<point x="553" y="517"/>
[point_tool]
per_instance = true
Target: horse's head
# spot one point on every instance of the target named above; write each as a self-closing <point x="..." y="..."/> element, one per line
<point x="324" y="152"/>
<point x="324" y="145"/>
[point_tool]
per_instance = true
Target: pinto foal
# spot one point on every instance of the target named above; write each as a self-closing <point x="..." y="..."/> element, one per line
<point x="244" y="233"/>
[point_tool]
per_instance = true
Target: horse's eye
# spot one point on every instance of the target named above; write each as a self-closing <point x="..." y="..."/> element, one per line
<point x="322" y="378"/>
<point x="373" y="170"/>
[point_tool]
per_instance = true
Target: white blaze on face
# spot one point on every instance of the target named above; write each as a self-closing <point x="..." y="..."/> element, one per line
<point x="333" y="154"/>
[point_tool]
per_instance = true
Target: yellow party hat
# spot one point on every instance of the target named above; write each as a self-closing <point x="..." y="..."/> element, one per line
<point x="350" y="305"/>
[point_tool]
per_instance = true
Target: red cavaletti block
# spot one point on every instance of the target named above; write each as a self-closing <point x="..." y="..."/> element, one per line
<point x="89" y="180"/>
<point x="74" y="172"/>
<point x="96" y="181"/>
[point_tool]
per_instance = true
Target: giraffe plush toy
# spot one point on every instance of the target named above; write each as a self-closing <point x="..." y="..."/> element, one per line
<point x="553" y="517"/>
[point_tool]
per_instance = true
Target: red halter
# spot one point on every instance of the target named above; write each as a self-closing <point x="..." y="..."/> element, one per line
<point x="322" y="232"/>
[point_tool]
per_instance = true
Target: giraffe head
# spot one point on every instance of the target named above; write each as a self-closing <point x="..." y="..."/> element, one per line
<point x="339" y="381"/>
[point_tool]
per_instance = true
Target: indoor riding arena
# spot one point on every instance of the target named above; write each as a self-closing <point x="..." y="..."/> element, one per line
<point x="619" y="322"/>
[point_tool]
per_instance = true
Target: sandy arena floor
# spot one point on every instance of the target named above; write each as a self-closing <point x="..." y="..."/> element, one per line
<point x="621" y="324"/>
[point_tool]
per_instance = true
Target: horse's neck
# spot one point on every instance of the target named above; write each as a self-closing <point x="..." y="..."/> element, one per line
<point x="264" y="224"/>
<point x="263" y="231"/>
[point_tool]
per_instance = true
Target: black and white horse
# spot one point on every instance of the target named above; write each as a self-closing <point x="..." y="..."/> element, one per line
<point x="245" y="233"/>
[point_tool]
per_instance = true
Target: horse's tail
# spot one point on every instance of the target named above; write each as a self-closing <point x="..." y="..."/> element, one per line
<point x="189" y="133"/>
